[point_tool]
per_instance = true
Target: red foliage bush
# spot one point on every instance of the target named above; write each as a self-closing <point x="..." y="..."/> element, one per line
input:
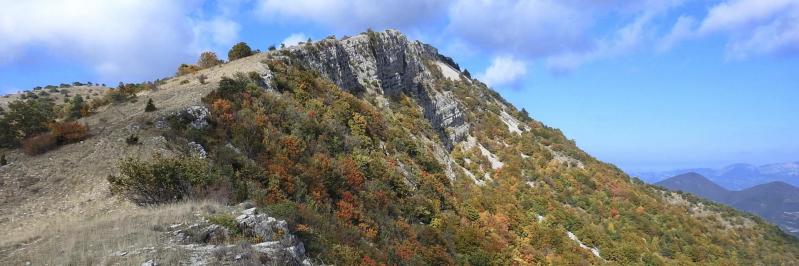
<point x="352" y="174"/>
<point x="69" y="132"/>
<point x="39" y="144"/>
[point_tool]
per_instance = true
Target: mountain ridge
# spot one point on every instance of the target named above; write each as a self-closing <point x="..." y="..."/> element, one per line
<point x="735" y="176"/>
<point x="775" y="201"/>
<point x="370" y="152"/>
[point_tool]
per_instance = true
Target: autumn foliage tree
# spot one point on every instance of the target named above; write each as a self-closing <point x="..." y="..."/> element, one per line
<point x="208" y="59"/>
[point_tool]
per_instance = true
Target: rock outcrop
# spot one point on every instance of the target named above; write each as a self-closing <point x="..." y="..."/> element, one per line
<point x="278" y="240"/>
<point x="208" y="243"/>
<point x="388" y="64"/>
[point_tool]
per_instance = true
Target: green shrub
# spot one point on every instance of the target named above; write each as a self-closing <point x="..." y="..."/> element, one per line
<point x="9" y="136"/>
<point x="132" y="140"/>
<point x="160" y="180"/>
<point x="228" y="87"/>
<point x="284" y="210"/>
<point x="240" y="50"/>
<point x="117" y="96"/>
<point x="30" y="117"/>
<point x="76" y="107"/>
<point x="150" y="106"/>
<point x="227" y="221"/>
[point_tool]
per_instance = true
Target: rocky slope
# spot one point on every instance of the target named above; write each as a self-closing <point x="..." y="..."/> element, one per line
<point x="373" y="149"/>
<point x="385" y="65"/>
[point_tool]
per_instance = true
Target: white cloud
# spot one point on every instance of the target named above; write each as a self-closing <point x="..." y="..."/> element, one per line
<point x="734" y="14"/>
<point x="531" y="27"/>
<point x="295" y="39"/>
<point x="217" y="32"/>
<point x="683" y="29"/>
<point x="120" y="40"/>
<point x="755" y="26"/>
<point x="624" y="40"/>
<point x="504" y="70"/>
<point x="562" y="31"/>
<point x="353" y="15"/>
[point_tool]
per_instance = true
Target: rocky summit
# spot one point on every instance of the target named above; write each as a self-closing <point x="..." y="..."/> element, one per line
<point x="389" y="65"/>
<point x="370" y="149"/>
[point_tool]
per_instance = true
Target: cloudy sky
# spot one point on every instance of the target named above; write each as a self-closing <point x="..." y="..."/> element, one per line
<point x="645" y="84"/>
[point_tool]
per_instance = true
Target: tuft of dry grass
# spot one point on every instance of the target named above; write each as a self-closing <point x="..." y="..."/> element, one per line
<point x="140" y="233"/>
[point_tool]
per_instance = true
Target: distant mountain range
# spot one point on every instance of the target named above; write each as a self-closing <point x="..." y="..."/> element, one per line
<point x="777" y="202"/>
<point x="735" y="177"/>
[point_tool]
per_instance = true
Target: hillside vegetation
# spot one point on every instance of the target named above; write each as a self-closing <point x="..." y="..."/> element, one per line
<point x="378" y="150"/>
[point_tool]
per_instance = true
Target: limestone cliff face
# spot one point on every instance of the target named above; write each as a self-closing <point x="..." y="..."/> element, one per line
<point x="386" y="64"/>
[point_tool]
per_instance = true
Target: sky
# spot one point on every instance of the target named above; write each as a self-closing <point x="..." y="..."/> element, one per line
<point x="646" y="85"/>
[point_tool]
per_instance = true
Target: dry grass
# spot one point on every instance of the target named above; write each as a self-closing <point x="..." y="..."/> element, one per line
<point x="142" y="233"/>
<point x="55" y="208"/>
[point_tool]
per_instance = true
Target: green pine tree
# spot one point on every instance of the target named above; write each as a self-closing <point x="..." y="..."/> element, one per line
<point x="150" y="106"/>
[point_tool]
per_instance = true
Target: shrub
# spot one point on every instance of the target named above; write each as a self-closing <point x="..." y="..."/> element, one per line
<point x="240" y="50"/>
<point x="117" y="96"/>
<point x="227" y="221"/>
<point x="160" y="180"/>
<point x="69" y="132"/>
<point x="9" y="136"/>
<point x="229" y="87"/>
<point x="150" y="106"/>
<point x="95" y="103"/>
<point x="184" y="69"/>
<point x="3" y="160"/>
<point x="208" y="59"/>
<point x="30" y="117"/>
<point x="77" y="107"/>
<point x="132" y="140"/>
<point x="39" y="144"/>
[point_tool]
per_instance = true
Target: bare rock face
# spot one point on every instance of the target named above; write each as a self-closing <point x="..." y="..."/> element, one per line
<point x="279" y="243"/>
<point x="387" y="64"/>
<point x="194" y="116"/>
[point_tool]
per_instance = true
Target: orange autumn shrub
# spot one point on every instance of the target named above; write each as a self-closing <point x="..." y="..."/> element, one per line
<point x="69" y="132"/>
<point x="39" y="144"/>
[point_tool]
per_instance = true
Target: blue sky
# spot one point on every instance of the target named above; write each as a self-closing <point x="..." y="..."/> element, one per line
<point x="646" y="85"/>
